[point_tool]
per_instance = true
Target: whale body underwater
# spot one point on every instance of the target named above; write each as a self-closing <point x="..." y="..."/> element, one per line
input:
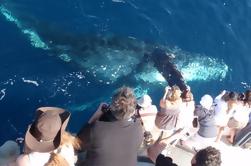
<point x="111" y="59"/>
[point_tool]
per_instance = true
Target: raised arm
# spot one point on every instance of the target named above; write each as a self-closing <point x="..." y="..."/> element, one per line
<point x="97" y="114"/>
<point x="155" y="150"/>
<point x="167" y="90"/>
<point x="163" y="100"/>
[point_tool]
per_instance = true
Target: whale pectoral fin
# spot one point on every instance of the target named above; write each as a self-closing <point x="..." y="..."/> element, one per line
<point x="168" y="70"/>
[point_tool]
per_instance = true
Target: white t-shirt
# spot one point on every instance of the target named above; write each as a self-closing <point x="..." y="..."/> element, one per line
<point x="148" y="117"/>
<point x="186" y="115"/>
<point x="241" y="114"/>
<point x="221" y="106"/>
<point x="222" y="117"/>
<point x="40" y="159"/>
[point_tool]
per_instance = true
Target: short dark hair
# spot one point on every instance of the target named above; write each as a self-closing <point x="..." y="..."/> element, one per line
<point x="233" y="96"/>
<point x="123" y="103"/>
<point x="230" y="96"/>
<point x="241" y="96"/>
<point x="247" y="98"/>
<point x="208" y="157"/>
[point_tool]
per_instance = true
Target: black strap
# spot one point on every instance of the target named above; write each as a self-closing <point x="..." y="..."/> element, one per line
<point x="147" y="134"/>
<point x="139" y="117"/>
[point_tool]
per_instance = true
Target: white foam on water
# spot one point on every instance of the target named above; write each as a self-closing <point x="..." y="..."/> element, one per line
<point x="118" y="1"/>
<point x="65" y="57"/>
<point x="34" y="38"/>
<point x="109" y="65"/>
<point x="30" y="82"/>
<point x="139" y="91"/>
<point x="9" y="82"/>
<point x="201" y="72"/>
<point x="199" y="67"/>
<point x="246" y="85"/>
<point x="152" y="76"/>
<point x="2" y="94"/>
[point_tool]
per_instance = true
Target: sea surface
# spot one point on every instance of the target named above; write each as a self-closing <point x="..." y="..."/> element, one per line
<point x="75" y="53"/>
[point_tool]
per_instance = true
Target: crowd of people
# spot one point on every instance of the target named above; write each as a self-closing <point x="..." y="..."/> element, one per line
<point x="119" y="132"/>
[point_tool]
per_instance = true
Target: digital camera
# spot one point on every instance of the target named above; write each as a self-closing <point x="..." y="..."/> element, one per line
<point x="105" y="108"/>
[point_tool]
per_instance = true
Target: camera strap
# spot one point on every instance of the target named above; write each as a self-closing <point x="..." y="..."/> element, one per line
<point x="147" y="134"/>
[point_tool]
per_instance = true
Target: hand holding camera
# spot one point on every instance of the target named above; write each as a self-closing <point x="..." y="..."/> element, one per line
<point x="168" y="88"/>
<point x="105" y="107"/>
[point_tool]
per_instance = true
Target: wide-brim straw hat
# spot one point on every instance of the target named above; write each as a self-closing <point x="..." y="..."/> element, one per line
<point x="45" y="133"/>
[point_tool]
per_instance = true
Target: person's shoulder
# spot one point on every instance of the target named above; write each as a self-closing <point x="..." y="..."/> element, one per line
<point x="198" y="107"/>
<point x="192" y="102"/>
<point x="199" y="110"/>
<point x="153" y="108"/>
<point x="136" y="122"/>
<point x="136" y="125"/>
<point x="220" y="103"/>
<point x="188" y="103"/>
<point x="22" y="160"/>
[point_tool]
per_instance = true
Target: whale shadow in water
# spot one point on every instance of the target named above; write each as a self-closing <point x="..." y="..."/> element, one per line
<point x="110" y="59"/>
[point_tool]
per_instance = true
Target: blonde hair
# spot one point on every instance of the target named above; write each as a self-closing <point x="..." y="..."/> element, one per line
<point x="69" y="139"/>
<point x="57" y="159"/>
<point x="175" y="95"/>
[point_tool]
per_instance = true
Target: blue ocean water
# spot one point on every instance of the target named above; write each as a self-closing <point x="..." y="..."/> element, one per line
<point x="53" y="52"/>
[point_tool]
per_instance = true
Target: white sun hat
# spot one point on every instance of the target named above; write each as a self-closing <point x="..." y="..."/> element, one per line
<point x="206" y="101"/>
<point x="145" y="101"/>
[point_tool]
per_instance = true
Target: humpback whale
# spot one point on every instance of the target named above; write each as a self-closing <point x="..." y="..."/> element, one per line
<point x="111" y="59"/>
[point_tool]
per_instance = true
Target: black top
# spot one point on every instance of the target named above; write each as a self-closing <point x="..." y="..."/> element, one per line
<point x="113" y="143"/>
<point x="164" y="161"/>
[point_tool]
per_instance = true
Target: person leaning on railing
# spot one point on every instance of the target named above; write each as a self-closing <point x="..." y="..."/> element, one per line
<point x="112" y="137"/>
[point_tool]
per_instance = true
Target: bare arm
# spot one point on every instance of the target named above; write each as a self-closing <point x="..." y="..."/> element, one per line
<point x="162" y="103"/>
<point x="160" y="145"/>
<point x="155" y="150"/>
<point x="97" y="114"/>
<point x="84" y="133"/>
<point x="163" y="100"/>
<point x="220" y="95"/>
<point x="167" y="89"/>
